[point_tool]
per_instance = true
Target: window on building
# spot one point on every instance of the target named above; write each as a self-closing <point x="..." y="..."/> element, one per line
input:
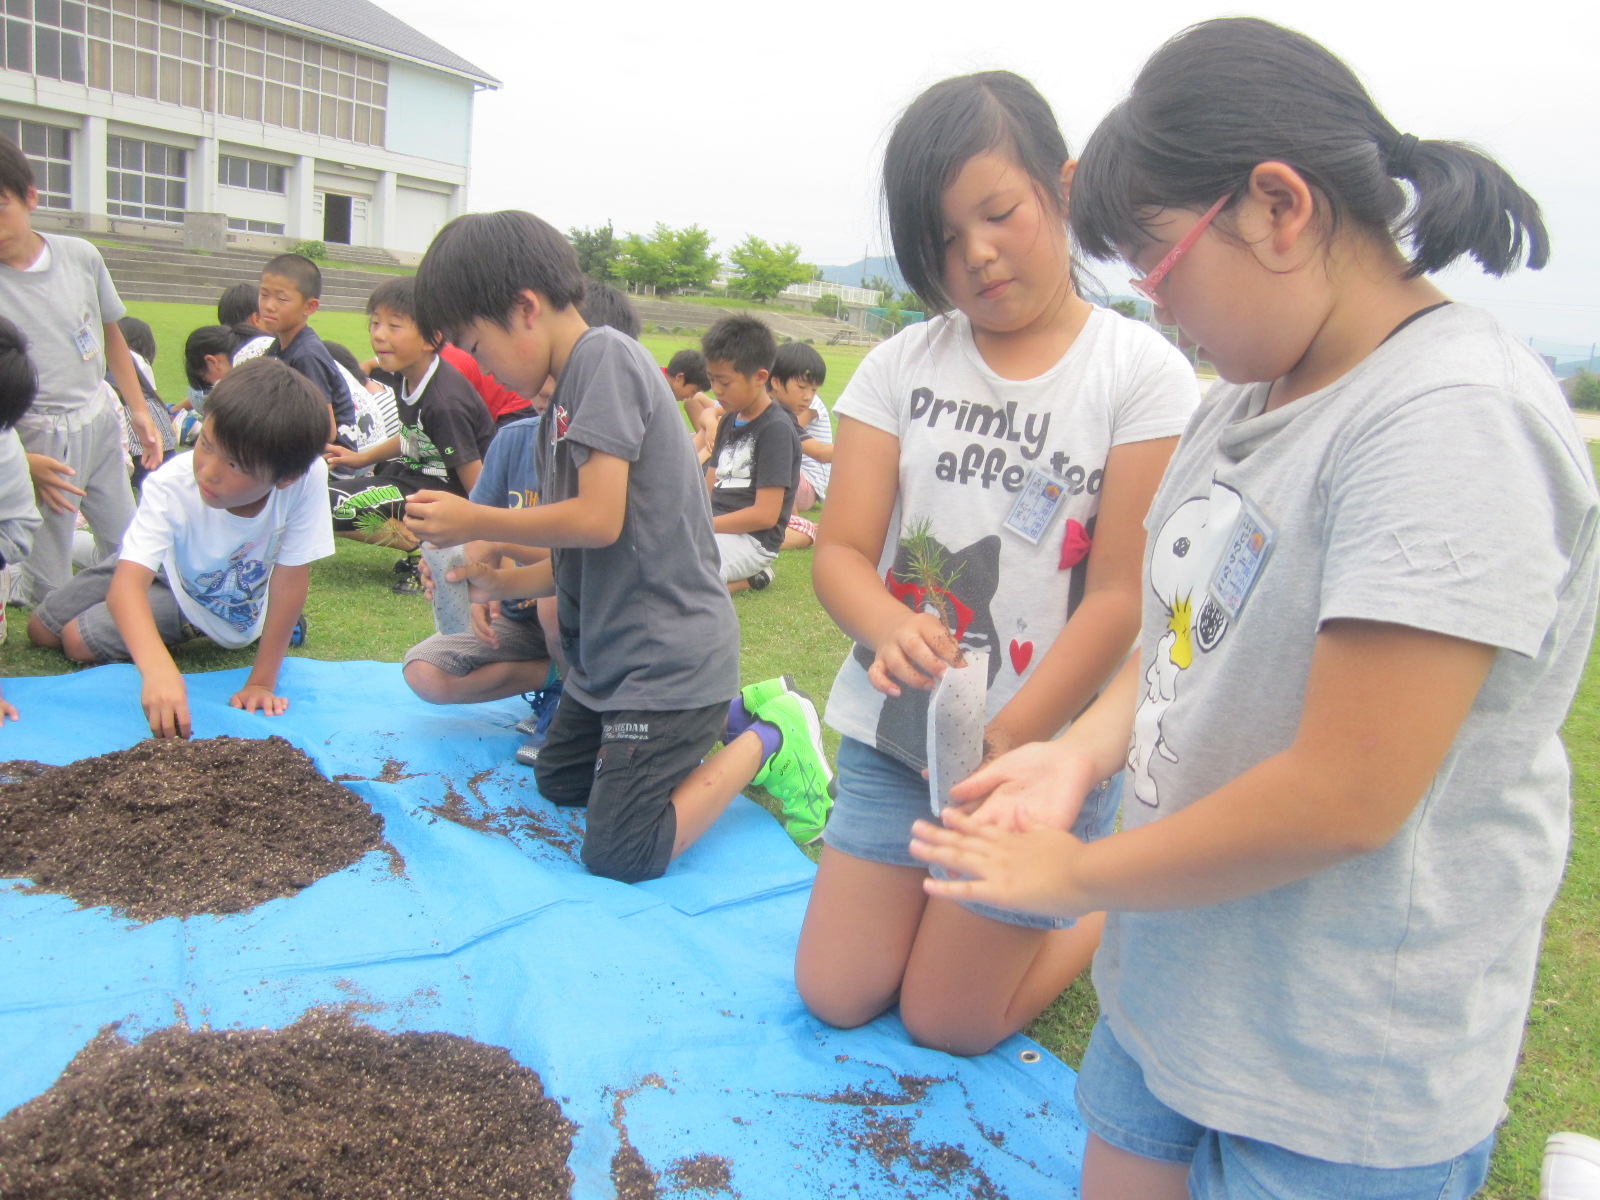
<point x="249" y="173"/>
<point x="44" y="37"/>
<point x="246" y="226"/>
<point x="156" y="49"/>
<point x="146" y="180"/>
<point x="49" y="150"/>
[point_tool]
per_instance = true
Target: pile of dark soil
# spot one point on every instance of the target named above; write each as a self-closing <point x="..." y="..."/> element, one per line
<point x="175" y="828"/>
<point x="326" y="1107"/>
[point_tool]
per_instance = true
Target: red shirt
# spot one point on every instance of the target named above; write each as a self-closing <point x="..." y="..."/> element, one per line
<point x="501" y="400"/>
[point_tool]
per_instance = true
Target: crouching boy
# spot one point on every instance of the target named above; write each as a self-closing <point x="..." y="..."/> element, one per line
<point x="220" y="547"/>
<point x="650" y="640"/>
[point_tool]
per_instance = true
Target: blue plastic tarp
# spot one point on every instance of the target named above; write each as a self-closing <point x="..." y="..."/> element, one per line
<point x="663" y="1012"/>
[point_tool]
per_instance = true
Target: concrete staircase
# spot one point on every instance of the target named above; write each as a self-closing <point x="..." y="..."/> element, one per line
<point x="168" y="273"/>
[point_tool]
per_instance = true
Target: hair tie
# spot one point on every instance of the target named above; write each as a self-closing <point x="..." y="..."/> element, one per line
<point x="1399" y="158"/>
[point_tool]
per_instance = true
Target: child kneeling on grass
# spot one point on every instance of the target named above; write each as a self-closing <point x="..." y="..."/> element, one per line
<point x="647" y="631"/>
<point x="220" y="547"/>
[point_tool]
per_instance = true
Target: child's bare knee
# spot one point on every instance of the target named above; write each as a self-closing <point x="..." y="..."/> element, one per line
<point x="73" y="645"/>
<point x="833" y="1005"/>
<point x="40" y="635"/>
<point x="936" y="1030"/>
<point x="430" y="683"/>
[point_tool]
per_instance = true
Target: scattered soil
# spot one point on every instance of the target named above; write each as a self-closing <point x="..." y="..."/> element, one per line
<point x="889" y="1140"/>
<point x="702" y="1173"/>
<point x="506" y="822"/>
<point x="176" y="828"/>
<point x="630" y="1174"/>
<point x="326" y="1107"/>
<point x="912" y="1090"/>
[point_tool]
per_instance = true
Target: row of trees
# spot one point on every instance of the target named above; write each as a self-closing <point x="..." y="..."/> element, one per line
<point x="673" y="260"/>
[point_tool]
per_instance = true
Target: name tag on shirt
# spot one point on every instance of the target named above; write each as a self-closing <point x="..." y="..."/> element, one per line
<point x="88" y="345"/>
<point x="1243" y="559"/>
<point x="1036" y="507"/>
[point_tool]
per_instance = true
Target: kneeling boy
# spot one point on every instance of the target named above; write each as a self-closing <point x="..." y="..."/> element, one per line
<point x="649" y="636"/>
<point x="220" y="547"/>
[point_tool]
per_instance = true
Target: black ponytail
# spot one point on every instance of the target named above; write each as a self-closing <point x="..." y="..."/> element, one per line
<point x="18" y="381"/>
<point x="1225" y="95"/>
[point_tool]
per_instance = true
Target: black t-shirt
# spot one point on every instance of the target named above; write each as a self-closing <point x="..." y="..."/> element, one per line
<point x="442" y="426"/>
<point x="762" y="452"/>
<point x="310" y="357"/>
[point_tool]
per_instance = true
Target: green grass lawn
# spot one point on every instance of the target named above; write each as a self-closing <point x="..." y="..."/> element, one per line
<point x="783" y="629"/>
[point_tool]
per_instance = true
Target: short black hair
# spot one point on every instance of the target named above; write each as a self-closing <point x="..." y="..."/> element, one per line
<point x="742" y="340"/>
<point x="945" y="127"/>
<point x="18" y="380"/>
<point x="140" y="337"/>
<point x="238" y="304"/>
<point x="269" y="418"/>
<point x="603" y="304"/>
<point x="200" y="345"/>
<point x="691" y="364"/>
<point x="347" y="359"/>
<point x="299" y="271"/>
<point x="479" y="265"/>
<point x="796" y="360"/>
<point x="16" y="172"/>
<point x="398" y="294"/>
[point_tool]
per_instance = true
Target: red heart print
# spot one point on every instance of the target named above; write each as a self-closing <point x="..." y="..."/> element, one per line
<point x="1021" y="655"/>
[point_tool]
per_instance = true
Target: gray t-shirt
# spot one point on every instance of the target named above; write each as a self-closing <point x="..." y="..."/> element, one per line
<point x="646" y="622"/>
<point x="1371" y="1013"/>
<point x="64" y="310"/>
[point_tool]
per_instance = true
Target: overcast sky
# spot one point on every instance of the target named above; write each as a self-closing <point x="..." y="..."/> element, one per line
<point x="769" y="118"/>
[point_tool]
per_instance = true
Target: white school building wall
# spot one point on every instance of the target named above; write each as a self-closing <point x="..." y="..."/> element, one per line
<point x="331" y="121"/>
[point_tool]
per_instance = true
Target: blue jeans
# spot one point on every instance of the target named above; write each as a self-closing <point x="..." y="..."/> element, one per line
<point x="1119" y="1109"/>
<point x="879" y="797"/>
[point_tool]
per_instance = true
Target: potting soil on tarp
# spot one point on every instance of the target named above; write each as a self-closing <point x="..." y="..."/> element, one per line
<point x="662" y="1015"/>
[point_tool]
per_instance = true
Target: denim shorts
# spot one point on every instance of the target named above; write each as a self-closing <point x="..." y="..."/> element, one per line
<point x="879" y="798"/>
<point x="1117" y="1108"/>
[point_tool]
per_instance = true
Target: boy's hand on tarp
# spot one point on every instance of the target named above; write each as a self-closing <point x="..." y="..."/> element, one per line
<point x="254" y="697"/>
<point x="8" y="711"/>
<point x="440" y="519"/>
<point x="50" y="476"/>
<point x="165" y="699"/>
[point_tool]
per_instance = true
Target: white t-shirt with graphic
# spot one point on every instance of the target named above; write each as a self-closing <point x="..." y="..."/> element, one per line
<point x="218" y="564"/>
<point x="970" y="442"/>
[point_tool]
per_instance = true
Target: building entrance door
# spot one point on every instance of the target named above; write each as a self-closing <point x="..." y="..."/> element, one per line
<point x="336" y="218"/>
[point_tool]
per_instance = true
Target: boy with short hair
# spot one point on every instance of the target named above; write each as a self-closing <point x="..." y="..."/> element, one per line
<point x="60" y="295"/>
<point x="221" y="547"/>
<point x="797" y="372"/>
<point x="649" y="635"/>
<point x="755" y="460"/>
<point x="444" y="431"/>
<point x="687" y="377"/>
<point x="291" y="290"/>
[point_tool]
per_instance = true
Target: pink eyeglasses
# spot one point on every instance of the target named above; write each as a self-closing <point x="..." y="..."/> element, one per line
<point x="1147" y="286"/>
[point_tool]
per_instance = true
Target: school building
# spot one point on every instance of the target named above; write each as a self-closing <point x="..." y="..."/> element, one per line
<point x="248" y="126"/>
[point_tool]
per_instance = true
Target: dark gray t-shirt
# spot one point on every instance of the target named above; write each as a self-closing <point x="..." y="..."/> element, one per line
<point x="761" y="452"/>
<point x="646" y="622"/>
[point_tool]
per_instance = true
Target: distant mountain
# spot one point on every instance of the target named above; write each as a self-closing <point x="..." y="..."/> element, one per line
<point x="853" y="274"/>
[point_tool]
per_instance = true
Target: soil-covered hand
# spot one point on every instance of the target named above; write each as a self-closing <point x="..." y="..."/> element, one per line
<point x="166" y="703"/>
<point x="914" y="654"/>
<point x="1026" y="871"/>
<point x="439" y="518"/>
<point x="254" y="697"/>
<point x="425" y="573"/>
<point x="1040" y="783"/>
<point x="483" y="616"/>
<point x="50" y="476"/>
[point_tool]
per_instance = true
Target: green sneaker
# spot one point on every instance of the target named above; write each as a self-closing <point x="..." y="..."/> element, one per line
<point x="756" y="694"/>
<point x="798" y="774"/>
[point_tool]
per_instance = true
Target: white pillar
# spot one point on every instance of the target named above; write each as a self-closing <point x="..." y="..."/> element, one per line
<point x="383" y="215"/>
<point x="203" y="176"/>
<point x="89" y="172"/>
<point x="302" y="223"/>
